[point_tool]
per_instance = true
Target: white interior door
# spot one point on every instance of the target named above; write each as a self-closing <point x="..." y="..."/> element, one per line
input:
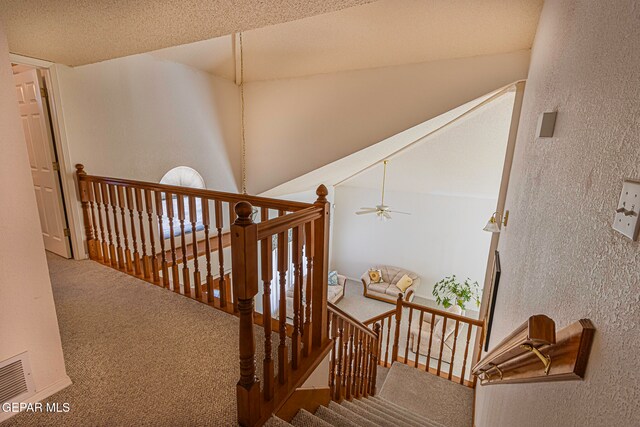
<point x="37" y="132"/>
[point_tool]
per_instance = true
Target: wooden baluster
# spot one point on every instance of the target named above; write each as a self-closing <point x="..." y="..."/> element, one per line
<point x="433" y="319"/>
<point x="478" y="351"/>
<point x="164" y="264"/>
<point x="283" y="258"/>
<point x="86" y="217"/>
<point x="92" y="205"/>
<point x="444" y="328"/>
<point x="396" y="337"/>
<point x="148" y="198"/>
<point x="386" y="355"/>
<point x="350" y="363"/>
<point x="206" y="222"/>
<point x="453" y="349"/>
<point x="466" y="352"/>
<point x="127" y="251"/>
<point x="193" y="216"/>
<point x="358" y="363"/>
<point x="320" y="270"/>
<point x="339" y="371"/>
<point x="365" y="366"/>
<point x="221" y="283"/>
<point x="375" y="359"/>
<point x="146" y="273"/>
<point x="296" y="248"/>
<point x="345" y="356"/>
<point x="244" y="235"/>
<point x="266" y="267"/>
<point x="114" y="203"/>
<point x="419" y="338"/>
<point x="175" y="274"/>
<point x="354" y="361"/>
<point x="105" y="246"/>
<point x="333" y="321"/>
<point x="308" y="248"/>
<point x="406" y="348"/>
<point x="136" y="255"/>
<point x="112" y="248"/>
<point x="186" y="280"/>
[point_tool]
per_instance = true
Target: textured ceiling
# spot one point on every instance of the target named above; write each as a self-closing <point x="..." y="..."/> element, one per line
<point x="384" y="33"/>
<point x="76" y="32"/>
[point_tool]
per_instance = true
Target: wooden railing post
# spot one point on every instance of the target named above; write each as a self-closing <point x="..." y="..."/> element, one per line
<point x="320" y="270"/>
<point x="396" y="338"/>
<point x="244" y="250"/>
<point x="86" y="217"/>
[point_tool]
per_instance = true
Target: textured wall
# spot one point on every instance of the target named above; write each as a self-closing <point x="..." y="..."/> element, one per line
<point x="559" y="254"/>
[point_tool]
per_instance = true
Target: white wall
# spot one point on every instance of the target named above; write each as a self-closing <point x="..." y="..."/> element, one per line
<point x="138" y="116"/>
<point x="442" y="236"/>
<point x="559" y="254"/>
<point x="27" y="314"/>
<point x="296" y="125"/>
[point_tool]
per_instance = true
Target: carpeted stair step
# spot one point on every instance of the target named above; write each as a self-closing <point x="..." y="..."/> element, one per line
<point x="398" y="415"/>
<point x="334" y="418"/>
<point x="381" y="421"/>
<point x="389" y="417"/>
<point x="276" y="422"/>
<point x="306" y="419"/>
<point x="390" y="406"/>
<point x="351" y="416"/>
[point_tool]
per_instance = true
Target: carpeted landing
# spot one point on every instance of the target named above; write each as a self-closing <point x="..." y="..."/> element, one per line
<point x="139" y="355"/>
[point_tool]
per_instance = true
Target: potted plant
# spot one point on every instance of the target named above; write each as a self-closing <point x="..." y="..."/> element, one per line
<point x="449" y="291"/>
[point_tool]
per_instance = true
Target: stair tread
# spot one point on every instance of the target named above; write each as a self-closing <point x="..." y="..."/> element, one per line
<point x="400" y="415"/>
<point x="350" y="415"/>
<point x="368" y="415"/>
<point x="334" y="418"/>
<point x="305" y="418"/>
<point x="393" y="406"/>
<point x="389" y="416"/>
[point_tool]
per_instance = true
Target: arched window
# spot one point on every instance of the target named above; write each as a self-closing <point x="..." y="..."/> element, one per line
<point x="182" y="176"/>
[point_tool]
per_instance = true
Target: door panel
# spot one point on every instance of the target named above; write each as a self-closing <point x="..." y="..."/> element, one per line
<point x="46" y="184"/>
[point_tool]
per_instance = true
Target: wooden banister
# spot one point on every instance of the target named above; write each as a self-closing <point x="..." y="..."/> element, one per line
<point x="165" y="235"/>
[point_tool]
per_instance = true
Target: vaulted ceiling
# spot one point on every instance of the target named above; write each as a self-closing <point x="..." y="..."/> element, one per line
<point x="76" y="32"/>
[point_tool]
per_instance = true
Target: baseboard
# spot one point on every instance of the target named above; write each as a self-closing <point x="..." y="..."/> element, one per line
<point x="41" y="395"/>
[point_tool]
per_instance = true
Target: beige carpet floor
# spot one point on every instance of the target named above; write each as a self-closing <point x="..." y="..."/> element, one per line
<point x="139" y="355"/>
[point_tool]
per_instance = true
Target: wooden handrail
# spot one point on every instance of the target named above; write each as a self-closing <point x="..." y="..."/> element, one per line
<point x="284" y="223"/>
<point x="360" y="325"/>
<point x="379" y="317"/>
<point x="280" y="204"/>
<point x="443" y="313"/>
<point x="534" y="352"/>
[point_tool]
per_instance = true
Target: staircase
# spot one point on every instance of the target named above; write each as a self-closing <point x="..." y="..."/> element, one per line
<point x="408" y="397"/>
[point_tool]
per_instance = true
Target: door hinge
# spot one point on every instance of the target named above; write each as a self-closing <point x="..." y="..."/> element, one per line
<point x="56" y="166"/>
<point x="66" y="232"/>
<point x="43" y="92"/>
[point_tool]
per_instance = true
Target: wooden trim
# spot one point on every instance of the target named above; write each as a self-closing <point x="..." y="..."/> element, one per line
<point x="309" y="399"/>
<point x="361" y="326"/>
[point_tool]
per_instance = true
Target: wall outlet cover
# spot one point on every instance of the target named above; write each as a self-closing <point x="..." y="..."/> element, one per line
<point x="628" y="211"/>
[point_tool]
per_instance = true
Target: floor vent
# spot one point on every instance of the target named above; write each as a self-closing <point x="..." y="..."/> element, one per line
<point x="16" y="382"/>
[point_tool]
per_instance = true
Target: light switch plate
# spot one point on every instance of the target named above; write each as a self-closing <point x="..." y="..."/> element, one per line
<point x="626" y="219"/>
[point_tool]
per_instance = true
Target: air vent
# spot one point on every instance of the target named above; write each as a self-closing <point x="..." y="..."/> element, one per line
<point x="15" y="379"/>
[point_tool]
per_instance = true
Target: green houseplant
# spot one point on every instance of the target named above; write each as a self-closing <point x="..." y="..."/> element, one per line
<point x="449" y="291"/>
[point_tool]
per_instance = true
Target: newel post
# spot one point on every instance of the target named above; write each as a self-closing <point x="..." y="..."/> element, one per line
<point x="374" y="360"/>
<point x="86" y="217"/>
<point x="244" y="257"/>
<point x="320" y="270"/>
<point x="396" y="338"/>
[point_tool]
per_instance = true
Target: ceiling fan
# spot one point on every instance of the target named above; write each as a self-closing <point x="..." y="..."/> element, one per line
<point x="382" y="211"/>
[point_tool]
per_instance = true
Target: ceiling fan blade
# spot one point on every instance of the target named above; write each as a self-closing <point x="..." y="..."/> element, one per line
<point x="365" y="212"/>
<point x="386" y="215"/>
<point x="398" y="212"/>
<point x="369" y="209"/>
